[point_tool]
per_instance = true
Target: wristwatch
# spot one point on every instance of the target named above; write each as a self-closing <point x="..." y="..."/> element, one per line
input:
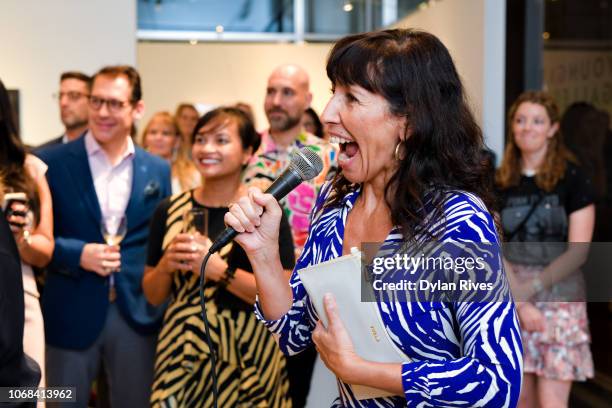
<point x="537" y="285"/>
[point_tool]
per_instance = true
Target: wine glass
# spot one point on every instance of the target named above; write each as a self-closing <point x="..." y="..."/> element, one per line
<point x="196" y="220"/>
<point x="114" y="228"/>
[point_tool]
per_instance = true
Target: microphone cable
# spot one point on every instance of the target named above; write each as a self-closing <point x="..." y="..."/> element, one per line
<point x="213" y="351"/>
<point x="305" y="165"/>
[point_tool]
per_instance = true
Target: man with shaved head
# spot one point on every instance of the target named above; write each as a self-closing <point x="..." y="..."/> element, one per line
<point x="287" y="97"/>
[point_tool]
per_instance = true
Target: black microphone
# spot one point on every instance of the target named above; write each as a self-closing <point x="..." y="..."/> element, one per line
<point x="305" y="164"/>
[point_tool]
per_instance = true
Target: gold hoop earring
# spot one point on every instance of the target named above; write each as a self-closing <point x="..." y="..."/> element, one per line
<point x="396" y="153"/>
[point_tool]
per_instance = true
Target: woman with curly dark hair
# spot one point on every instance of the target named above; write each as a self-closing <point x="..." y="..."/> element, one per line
<point x="410" y="171"/>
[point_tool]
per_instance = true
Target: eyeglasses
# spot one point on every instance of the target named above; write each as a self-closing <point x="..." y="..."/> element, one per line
<point x="72" y="96"/>
<point x="113" y="105"/>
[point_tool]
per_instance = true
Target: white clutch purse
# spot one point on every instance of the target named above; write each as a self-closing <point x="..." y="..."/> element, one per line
<point x="342" y="278"/>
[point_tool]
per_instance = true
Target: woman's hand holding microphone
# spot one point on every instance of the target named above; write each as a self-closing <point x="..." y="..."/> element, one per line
<point x="258" y="215"/>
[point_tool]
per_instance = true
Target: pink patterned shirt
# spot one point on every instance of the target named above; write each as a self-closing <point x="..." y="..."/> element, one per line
<point x="269" y="162"/>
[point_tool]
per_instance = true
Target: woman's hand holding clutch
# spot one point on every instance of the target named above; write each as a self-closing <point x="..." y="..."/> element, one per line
<point x="334" y="344"/>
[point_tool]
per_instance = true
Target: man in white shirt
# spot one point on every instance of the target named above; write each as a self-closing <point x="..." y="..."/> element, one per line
<point x="93" y="304"/>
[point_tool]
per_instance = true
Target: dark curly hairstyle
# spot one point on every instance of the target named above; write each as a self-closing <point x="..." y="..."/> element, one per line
<point x="415" y="73"/>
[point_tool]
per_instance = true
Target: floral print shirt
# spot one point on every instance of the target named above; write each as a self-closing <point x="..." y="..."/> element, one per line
<point x="270" y="161"/>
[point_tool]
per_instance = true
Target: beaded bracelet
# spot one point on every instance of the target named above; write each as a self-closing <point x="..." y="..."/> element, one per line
<point x="230" y="272"/>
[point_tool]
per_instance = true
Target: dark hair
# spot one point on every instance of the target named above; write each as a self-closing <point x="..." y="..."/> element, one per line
<point x="584" y="128"/>
<point x="441" y="152"/>
<point x="12" y="156"/>
<point x="247" y="109"/>
<point x="317" y="122"/>
<point x="129" y="72"/>
<point x="557" y="154"/>
<point x="77" y="75"/>
<point x="248" y="135"/>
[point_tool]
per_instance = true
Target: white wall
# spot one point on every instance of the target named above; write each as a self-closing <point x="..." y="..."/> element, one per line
<point x="474" y="33"/>
<point x="42" y="38"/>
<point x="494" y="89"/>
<point x="224" y="73"/>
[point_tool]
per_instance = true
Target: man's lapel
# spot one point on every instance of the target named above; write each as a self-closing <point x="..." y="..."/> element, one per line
<point x="79" y="170"/>
<point x="142" y="186"/>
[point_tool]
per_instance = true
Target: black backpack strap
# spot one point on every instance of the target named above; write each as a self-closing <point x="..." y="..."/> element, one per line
<point x="524" y="221"/>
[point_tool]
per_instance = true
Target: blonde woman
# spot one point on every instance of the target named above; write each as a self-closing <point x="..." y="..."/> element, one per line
<point x="161" y="137"/>
<point x="186" y="117"/>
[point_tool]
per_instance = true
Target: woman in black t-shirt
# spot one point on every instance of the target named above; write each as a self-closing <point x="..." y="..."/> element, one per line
<point x="546" y="202"/>
<point x="250" y="367"/>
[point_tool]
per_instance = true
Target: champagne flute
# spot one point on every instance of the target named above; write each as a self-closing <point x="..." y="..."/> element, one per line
<point x="114" y="228"/>
<point x="196" y="220"/>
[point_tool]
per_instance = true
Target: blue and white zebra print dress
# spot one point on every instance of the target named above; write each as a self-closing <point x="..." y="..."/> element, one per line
<point x="463" y="354"/>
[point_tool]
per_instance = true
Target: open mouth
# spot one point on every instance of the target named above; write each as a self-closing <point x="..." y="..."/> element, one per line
<point x="348" y="148"/>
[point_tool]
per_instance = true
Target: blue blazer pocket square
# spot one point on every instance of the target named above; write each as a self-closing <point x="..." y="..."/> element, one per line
<point x="151" y="189"/>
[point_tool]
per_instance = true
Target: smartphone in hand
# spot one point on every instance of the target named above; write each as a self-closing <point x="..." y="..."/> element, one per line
<point x="12" y="198"/>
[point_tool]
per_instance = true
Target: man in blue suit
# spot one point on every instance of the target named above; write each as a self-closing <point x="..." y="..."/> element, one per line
<point x="93" y="304"/>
